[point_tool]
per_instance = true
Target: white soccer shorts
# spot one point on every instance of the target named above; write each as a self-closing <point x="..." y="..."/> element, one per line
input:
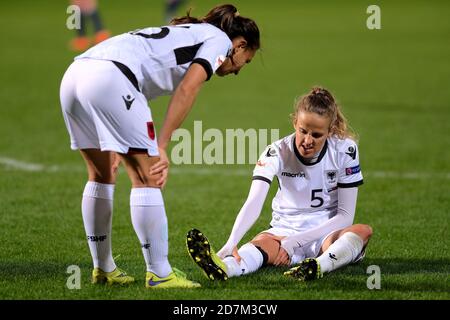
<point x="311" y="250"/>
<point x="103" y="109"/>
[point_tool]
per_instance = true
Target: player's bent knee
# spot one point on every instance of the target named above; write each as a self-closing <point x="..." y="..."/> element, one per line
<point x="261" y="237"/>
<point x="366" y="230"/>
<point x="141" y="178"/>
<point x="138" y="167"/>
<point x="267" y="245"/>
<point x="363" y="230"/>
<point x="145" y="182"/>
<point x="369" y="231"/>
<point x="102" y="177"/>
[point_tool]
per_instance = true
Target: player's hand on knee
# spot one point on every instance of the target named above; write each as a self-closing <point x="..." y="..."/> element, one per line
<point x="162" y="168"/>
<point x="163" y="180"/>
<point x="115" y="164"/>
<point x="282" y="258"/>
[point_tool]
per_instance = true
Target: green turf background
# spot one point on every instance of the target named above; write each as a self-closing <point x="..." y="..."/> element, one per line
<point x="393" y="85"/>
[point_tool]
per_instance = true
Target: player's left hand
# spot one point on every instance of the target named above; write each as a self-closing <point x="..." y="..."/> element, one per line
<point x="282" y="258"/>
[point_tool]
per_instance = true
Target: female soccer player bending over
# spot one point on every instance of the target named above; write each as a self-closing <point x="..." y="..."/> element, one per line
<point x="104" y="98"/>
<point x="318" y="173"/>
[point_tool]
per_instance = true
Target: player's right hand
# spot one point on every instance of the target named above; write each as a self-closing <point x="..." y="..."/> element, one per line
<point x="161" y="167"/>
<point x="229" y="251"/>
<point x="115" y="163"/>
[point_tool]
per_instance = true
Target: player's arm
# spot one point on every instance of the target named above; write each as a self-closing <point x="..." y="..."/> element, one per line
<point x="247" y="216"/>
<point x="179" y="106"/>
<point x="201" y="69"/>
<point x="347" y="198"/>
<point x="265" y="170"/>
<point x="181" y="102"/>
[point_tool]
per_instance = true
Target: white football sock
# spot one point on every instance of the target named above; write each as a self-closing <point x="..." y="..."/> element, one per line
<point x="150" y="223"/>
<point x="251" y="260"/>
<point x="342" y="252"/>
<point x="97" y="209"/>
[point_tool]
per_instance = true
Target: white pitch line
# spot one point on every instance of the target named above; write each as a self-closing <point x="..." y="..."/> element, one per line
<point x="10" y="164"/>
<point x="18" y="165"/>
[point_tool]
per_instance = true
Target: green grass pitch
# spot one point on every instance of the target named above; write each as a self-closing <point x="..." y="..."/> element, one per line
<point x="393" y="85"/>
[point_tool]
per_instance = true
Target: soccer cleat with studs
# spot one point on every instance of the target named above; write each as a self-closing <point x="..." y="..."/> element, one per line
<point x="308" y="269"/>
<point x="204" y="256"/>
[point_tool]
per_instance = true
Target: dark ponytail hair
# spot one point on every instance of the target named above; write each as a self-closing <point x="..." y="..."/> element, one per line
<point x="226" y="17"/>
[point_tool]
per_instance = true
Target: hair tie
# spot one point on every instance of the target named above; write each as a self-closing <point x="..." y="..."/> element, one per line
<point x="318" y="91"/>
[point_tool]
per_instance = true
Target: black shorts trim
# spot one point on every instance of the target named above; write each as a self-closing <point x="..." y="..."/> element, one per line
<point x="350" y="185"/>
<point x="205" y="64"/>
<point x="128" y="73"/>
<point x="264" y="255"/>
<point x="262" y="179"/>
<point x="137" y="151"/>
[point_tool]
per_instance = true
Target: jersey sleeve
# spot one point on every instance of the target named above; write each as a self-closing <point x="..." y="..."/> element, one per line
<point x="212" y="54"/>
<point x="268" y="164"/>
<point x="349" y="171"/>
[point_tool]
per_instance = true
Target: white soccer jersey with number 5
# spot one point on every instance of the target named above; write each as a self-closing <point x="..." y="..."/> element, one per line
<point x="159" y="57"/>
<point x="307" y="194"/>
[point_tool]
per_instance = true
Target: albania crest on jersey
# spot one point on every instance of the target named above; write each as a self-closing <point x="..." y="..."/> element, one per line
<point x="331" y="176"/>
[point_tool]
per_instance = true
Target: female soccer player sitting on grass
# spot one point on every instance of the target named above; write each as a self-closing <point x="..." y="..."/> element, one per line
<point x="318" y="173"/>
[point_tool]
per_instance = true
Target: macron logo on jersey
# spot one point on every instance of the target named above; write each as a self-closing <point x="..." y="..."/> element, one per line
<point x="128" y="101"/>
<point x="352" y="170"/>
<point x="293" y="175"/>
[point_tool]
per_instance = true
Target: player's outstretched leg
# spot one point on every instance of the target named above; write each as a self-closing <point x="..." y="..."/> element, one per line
<point x="176" y="279"/>
<point x="204" y="256"/>
<point x="115" y="277"/>
<point x="308" y="269"/>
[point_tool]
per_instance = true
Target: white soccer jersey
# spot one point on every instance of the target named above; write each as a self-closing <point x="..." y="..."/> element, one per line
<point x="307" y="194"/>
<point x="159" y="57"/>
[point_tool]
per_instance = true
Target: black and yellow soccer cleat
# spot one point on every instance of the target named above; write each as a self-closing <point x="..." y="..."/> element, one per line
<point x="308" y="269"/>
<point x="204" y="256"/>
